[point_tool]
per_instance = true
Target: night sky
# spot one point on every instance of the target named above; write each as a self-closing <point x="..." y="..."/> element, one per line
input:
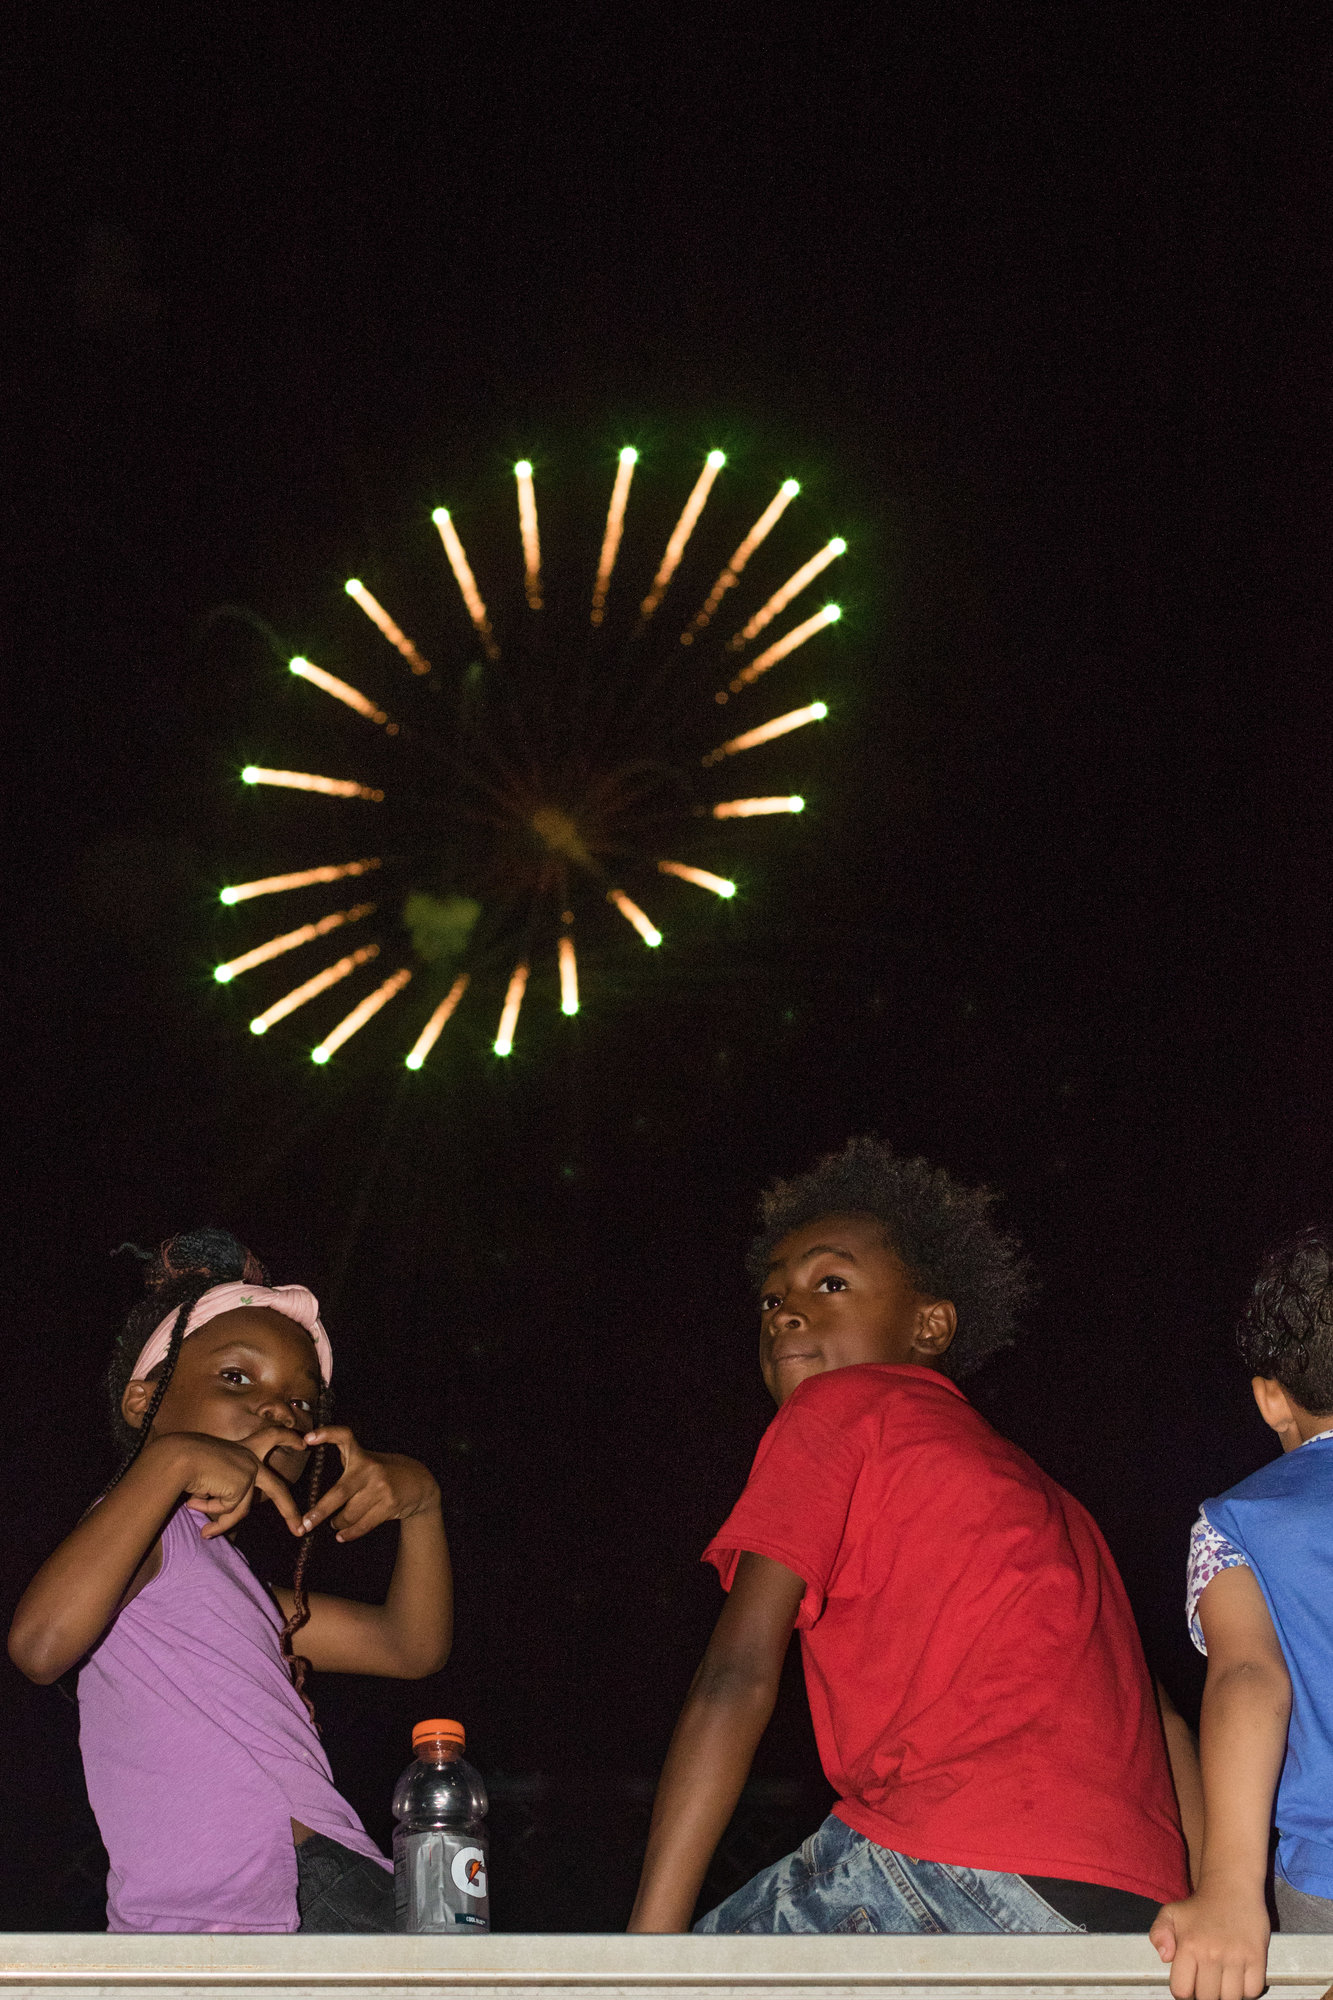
<point x="1035" y="302"/>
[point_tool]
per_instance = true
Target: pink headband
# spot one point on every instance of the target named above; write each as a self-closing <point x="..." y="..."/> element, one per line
<point x="292" y="1301"/>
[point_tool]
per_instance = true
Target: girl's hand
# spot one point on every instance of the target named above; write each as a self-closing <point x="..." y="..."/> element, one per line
<point x="220" y="1479"/>
<point x="410" y="1634"/>
<point x="375" y="1487"/>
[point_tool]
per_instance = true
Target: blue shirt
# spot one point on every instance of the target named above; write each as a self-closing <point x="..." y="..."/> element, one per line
<point x="1281" y="1520"/>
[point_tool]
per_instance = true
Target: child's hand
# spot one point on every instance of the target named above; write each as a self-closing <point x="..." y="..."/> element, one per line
<point x="1216" y="1943"/>
<point x="221" y="1479"/>
<point x="375" y="1487"/>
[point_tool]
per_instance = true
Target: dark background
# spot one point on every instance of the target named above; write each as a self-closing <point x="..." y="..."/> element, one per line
<point x="1036" y="299"/>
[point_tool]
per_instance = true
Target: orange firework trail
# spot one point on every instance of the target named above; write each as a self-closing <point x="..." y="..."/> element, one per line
<point x="504" y="1040"/>
<point x="377" y="615"/>
<point x="793" y="587"/>
<point x="781" y="647"/>
<point x="430" y="1034"/>
<point x="531" y="798"/>
<point x="731" y="575"/>
<point x="306" y="670"/>
<point x="319" y="984"/>
<point x="306" y="781"/>
<point x="275" y="947"/>
<point x="271" y="885"/>
<point x="467" y="583"/>
<point x="781" y="725"/>
<point x="682" y="531"/>
<point x="569" y="976"/>
<point x="699" y="876"/>
<point x="615" y="524"/>
<point x="647" y="930"/>
<point x="360" y="1014"/>
<point x="753" y="808"/>
<point x="532" y="548"/>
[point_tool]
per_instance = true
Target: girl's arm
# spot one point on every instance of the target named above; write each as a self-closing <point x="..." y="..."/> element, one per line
<point x="411" y="1633"/>
<point x="726" y="1712"/>
<point x="114" y="1550"/>
<point x="1216" y="1942"/>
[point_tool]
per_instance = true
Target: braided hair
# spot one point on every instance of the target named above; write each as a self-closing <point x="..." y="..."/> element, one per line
<point x="185" y="1267"/>
<point x="298" y="1666"/>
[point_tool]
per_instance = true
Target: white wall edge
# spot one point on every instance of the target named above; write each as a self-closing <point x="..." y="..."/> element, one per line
<point x="88" y="1965"/>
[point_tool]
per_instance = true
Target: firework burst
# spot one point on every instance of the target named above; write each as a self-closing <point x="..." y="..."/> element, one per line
<point x="562" y="785"/>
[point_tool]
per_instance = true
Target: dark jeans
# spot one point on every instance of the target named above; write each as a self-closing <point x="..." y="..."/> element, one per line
<point x="337" y="1890"/>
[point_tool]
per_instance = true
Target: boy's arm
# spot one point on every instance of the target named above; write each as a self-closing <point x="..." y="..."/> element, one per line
<point x="113" y="1552"/>
<point x="411" y="1633"/>
<point x="726" y="1712"/>
<point x="1183" y="1752"/>
<point x="1216" y="1942"/>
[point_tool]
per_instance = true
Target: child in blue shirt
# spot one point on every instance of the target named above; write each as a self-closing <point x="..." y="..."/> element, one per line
<point x="1260" y="1604"/>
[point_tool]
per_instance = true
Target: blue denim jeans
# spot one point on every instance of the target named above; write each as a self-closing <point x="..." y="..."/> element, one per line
<point x="840" y="1881"/>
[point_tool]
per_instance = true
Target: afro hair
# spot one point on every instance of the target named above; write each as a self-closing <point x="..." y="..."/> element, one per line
<point x="1286" y="1330"/>
<point x="942" y="1232"/>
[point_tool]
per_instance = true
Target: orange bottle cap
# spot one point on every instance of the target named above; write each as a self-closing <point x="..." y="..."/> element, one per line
<point x="436" y="1731"/>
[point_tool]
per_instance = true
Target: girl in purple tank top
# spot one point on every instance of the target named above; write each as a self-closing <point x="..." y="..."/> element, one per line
<point x="204" y="1767"/>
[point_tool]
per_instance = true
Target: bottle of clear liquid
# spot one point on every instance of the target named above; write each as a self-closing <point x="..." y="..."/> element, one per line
<point x="440" y="1865"/>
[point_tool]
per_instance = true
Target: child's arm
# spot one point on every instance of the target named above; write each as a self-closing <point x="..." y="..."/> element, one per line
<point x="1183" y="1753"/>
<point x="725" y="1714"/>
<point x="411" y="1633"/>
<point x="113" y="1552"/>
<point x="1217" y="1940"/>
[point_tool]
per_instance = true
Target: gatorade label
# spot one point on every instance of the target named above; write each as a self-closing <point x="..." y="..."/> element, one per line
<point x="440" y="1883"/>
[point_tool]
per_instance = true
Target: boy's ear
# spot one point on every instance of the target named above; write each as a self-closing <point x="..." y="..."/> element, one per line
<point x="1277" y="1409"/>
<point x="936" y="1325"/>
<point x="134" y="1402"/>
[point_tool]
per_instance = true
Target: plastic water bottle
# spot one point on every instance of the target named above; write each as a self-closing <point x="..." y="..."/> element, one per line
<point x="440" y="1868"/>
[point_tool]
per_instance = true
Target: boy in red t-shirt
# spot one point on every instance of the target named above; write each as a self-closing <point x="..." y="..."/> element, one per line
<point x="979" y="1694"/>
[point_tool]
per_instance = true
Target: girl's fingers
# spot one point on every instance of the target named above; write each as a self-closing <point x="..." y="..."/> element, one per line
<point x="221" y="1509"/>
<point x="270" y="1438"/>
<point x="328" y="1503"/>
<point x="370" y="1518"/>
<point x="369" y="1498"/>
<point x="357" y="1506"/>
<point x="339" y="1437"/>
<point x="275" y="1488"/>
<point x="225" y="1522"/>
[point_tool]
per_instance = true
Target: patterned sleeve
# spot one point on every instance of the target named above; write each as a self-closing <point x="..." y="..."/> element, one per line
<point x="1210" y="1554"/>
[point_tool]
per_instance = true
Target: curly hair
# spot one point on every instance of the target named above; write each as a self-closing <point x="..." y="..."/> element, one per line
<point x="1286" y="1329"/>
<point x="942" y="1232"/>
<point x="185" y="1267"/>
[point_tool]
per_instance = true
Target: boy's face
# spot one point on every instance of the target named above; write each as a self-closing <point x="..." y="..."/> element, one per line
<point x="240" y="1374"/>
<point x="835" y="1295"/>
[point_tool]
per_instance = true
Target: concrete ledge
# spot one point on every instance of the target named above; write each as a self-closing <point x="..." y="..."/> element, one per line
<point x="84" y="1965"/>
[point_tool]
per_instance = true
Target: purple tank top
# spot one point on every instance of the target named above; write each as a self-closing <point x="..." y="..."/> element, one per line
<point x="198" y="1751"/>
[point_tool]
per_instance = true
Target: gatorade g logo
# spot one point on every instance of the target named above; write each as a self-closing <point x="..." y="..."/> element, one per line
<point x="468" y="1869"/>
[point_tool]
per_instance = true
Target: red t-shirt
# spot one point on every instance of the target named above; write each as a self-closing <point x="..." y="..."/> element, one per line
<point x="978" y="1689"/>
